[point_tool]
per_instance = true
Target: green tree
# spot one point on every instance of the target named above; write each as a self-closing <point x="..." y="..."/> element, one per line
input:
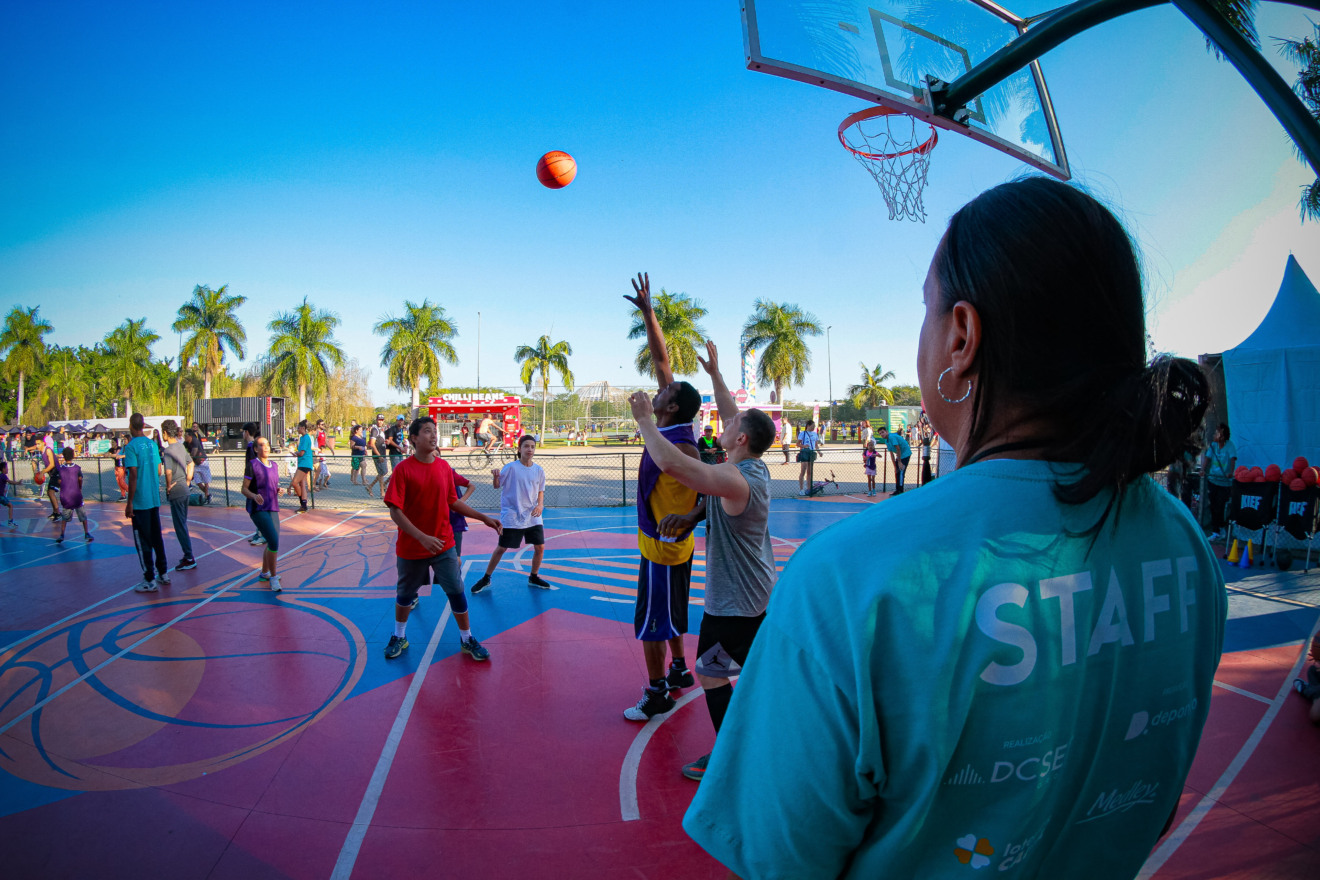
<point x="415" y="345"/>
<point x="679" y="317"/>
<point x="1306" y="52"/>
<point x="868" y="393"/>
<point x="539" y="360"/>
<point x="66" y="381"/>
<point x="23" y="347"/>
<point x="302" y="351"/>
<point x="778" y="331"/>
<point x="906" y="395"/>
<point x="209" y="320"/>
<point x="128" y="359"/>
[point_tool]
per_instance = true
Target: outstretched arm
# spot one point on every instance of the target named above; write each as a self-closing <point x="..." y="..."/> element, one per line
<point x="723" y="480"/>
<point x="728" y="407"/>
<point x="654" y="338"/>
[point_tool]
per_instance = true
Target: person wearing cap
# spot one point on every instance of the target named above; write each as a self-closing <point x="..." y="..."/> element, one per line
<point x="394" y="442"/>
<point x="376" y="446"/>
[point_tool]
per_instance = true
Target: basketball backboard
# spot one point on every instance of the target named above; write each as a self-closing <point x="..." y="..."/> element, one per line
<point x="883" y="51"/>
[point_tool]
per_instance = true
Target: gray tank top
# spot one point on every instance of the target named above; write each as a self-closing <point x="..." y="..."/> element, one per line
<point x="740" y="566"/>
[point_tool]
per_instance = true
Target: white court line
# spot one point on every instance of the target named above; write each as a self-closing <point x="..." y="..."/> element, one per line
<point x="7" y="648"/>
<point x="57" y="552"/>
<point x="371" y="797"/>
<point x="1228" y="687"/>
<point x="151" y="635"/>
<point x="610" y="599"/>
<point x="1184" y="830"/>
<point x="197" y="522"/>
<point x="631" y="761"/>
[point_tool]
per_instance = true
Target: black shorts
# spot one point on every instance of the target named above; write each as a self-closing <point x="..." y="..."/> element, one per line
<point x="662" y="600"/>
<point x="513" y="538"/>
<point x="724" y="644"/>
<point x="417" y="573"/>
<point x="303" y="470"/>
<point x="53" y="480"/>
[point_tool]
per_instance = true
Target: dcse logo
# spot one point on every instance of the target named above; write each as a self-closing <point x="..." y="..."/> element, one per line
<point x="1033" y="768"/>
<point x="1142" y="722"/>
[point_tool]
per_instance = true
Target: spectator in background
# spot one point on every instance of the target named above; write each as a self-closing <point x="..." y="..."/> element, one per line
<point x="1220" y="461"/>
<point x="178" y="474"/>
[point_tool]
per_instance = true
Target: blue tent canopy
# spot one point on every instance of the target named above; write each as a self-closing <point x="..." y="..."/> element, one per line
<point x="1272" y="379"/>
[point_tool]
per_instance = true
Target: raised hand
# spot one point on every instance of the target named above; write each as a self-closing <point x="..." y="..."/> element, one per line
<point x="712" y="363"/>
<point x="642" y="286"/>
<point x="641" y="405"/>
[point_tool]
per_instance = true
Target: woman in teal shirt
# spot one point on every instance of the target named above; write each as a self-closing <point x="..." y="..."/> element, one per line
<point x="1011" y="668"/>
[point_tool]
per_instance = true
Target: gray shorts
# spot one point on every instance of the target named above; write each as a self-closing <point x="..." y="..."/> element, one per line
<point x="417" y="573"/>
<point x="379" y="462"/>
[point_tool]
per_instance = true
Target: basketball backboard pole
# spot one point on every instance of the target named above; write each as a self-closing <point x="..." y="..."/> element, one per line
<point x="949" y="100"/>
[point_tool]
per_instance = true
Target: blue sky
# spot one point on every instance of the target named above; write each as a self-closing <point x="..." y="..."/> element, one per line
<point x="363" y="156"/>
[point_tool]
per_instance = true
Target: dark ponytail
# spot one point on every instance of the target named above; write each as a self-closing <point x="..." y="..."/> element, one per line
<point x="1054" y="278"/>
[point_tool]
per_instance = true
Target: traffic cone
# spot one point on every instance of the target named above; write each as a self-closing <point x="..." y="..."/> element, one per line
<point x="1245" y="561"/>
<point x="1234" y="553"/>
<point x="1251" y="557"/>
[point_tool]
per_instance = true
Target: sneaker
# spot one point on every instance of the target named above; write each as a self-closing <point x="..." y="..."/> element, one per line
<point x="679" y="678"/>
<point x="264" y="576"/>
<point x="397" y="646"/>
<point x="88" y="538"/>
<point x="163" y="579"/>
<point x="538" y="582"/>
<point x="147" y="586"/>
<point x="208" y="498"/>
<point x="186" y="564"/>
<point x="256" y="540"/>
<point x="482" y="583"/>
<point x="12" y="524"/>
<point x="415" y="602"/>
<point x="651" y="704"/>
<point x="54" y="517"/>
<point x="59" y="540"/>
<point x="697" y="768"/>
<point x="473" y="649"/>
<point x="275" y="584"/>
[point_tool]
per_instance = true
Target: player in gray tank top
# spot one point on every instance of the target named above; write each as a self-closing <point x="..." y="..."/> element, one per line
<point x="740" y="566"/>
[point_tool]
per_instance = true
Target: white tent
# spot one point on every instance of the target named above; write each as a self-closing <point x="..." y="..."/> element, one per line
<point x="1272" y="380"/>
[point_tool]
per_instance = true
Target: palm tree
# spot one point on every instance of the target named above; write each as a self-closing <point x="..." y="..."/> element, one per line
<point x="23" y="347"/>
<point x="416" y="343"/>
<point x="1306" y="54"/>
<point x="678" y="315"/>
<point x="539" y="360"/>
<point x="871" y="390"/>
<point x="209" y="320"/>
<point x="777" y="330"/>
<point x="302" y="351"/>
<point x="66" y="381"/>
<point x="128" y="358"/>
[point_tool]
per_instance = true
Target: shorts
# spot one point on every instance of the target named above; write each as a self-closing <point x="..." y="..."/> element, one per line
<point x="806" y="455"/>
<point x="417" y="573"/>
<point x="202" y="474"/>
<point x="355" y="462"/>
<point x="724" y="644"/>
<point x="268" y="524"/>
<point x="303" y="470"/>
<point x="870" y="470"/>
<point x="69" y="512"/>
<point x="379" y="462"/>
<point x="662" y="600"/>
<point x="513" y="538"/>
<point x="483" y="439"/>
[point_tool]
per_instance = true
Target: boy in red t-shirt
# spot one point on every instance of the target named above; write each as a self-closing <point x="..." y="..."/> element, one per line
<point x="420" y="496"/>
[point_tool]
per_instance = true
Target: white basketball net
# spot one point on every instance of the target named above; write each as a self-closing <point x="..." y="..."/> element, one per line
<point x="897" y="154"/>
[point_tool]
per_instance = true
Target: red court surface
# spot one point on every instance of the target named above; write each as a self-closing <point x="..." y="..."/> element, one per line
<point x="217" y="730"/>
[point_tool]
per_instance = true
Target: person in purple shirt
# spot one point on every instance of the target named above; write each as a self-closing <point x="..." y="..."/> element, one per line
<point x="71" y="497"/>
<point x="4" y="492"/>
<point x="261" y="487"/>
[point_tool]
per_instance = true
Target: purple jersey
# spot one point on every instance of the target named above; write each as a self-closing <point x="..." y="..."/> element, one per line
<point x="70" y="487"/>
<point x="266" y="483"/>
<point x="4" y="484"/>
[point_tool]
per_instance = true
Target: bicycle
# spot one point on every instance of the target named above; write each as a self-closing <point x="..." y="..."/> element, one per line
<point x="481" y="458"/>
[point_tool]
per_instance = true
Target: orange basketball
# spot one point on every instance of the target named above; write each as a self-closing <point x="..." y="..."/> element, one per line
<point x="39" y="479"/>
<point x="556" y="169"/>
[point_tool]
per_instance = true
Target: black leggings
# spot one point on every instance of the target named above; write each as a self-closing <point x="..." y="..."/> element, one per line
<point x="149" y="540"/>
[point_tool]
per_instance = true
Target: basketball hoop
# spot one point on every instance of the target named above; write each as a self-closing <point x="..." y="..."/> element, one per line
<point x="891" y="149"/>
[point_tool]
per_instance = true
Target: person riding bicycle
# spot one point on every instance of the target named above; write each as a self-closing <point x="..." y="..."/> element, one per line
<point x="489" y="432"/>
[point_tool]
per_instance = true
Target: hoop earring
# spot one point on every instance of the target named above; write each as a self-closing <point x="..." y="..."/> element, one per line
<point x="940" y="381"/>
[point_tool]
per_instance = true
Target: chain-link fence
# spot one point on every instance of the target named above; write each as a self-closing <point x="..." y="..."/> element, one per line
<point x="599" y="477"/>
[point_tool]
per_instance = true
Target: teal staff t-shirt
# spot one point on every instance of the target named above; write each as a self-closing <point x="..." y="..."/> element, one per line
<point x="142" y="454"/>
<point x="898" y="445"/>
<point x="305" y="451"/>
<point x="988" y="691"/>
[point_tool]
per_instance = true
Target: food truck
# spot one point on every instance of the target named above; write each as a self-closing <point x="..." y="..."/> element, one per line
<point x="709" y="413"/>
<point x="451" y="410"/>
<point x="223" y="418"/>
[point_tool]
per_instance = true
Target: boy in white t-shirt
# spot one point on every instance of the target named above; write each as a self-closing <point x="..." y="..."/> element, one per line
<point x="522" y="497"/>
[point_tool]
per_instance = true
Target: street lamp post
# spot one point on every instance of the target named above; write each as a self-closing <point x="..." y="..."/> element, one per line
<point x="829" y="372"/>
<point x="178" y="377"/>
<point x="478" y="352"/>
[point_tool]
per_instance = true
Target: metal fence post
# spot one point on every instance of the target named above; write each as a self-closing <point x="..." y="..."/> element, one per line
<point x="225" y="461"/>
<point x="623" y="477"/>
<point x="100" y="491"/>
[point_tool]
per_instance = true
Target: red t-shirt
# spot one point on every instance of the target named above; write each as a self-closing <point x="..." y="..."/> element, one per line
<point x="423" y="492"/>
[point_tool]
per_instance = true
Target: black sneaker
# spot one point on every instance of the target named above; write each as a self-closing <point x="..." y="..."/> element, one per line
<point x="697" y="769"/>
<point x="482" y="583"/>
<point x="396" y="647"/>
<point x="679" y="678"/>
<point x="540" y="583"/>
<point x="473" y="649"/>
<point x="651" y="704"/>
<point x="186" y="564"/>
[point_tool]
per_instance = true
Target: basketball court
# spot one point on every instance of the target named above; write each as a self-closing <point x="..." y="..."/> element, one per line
<point x="215" y="729"/>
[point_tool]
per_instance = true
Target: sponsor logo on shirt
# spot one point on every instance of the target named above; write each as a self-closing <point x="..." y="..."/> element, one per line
<point x="1016" y="853"/>
<point x="1120" y="801"/>
<point x="974" y="851"/>
<point x="1142" y="722"/>
<point x="1164" y="584"/>
<point x="1035" y="768"/>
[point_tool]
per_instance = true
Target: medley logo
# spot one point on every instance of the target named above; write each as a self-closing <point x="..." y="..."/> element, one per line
<point x="1142" y="722"/>
<point x="1115" y="801"/>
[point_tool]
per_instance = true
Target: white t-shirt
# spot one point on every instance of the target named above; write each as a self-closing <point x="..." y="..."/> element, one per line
<point x="519" y="487"/>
